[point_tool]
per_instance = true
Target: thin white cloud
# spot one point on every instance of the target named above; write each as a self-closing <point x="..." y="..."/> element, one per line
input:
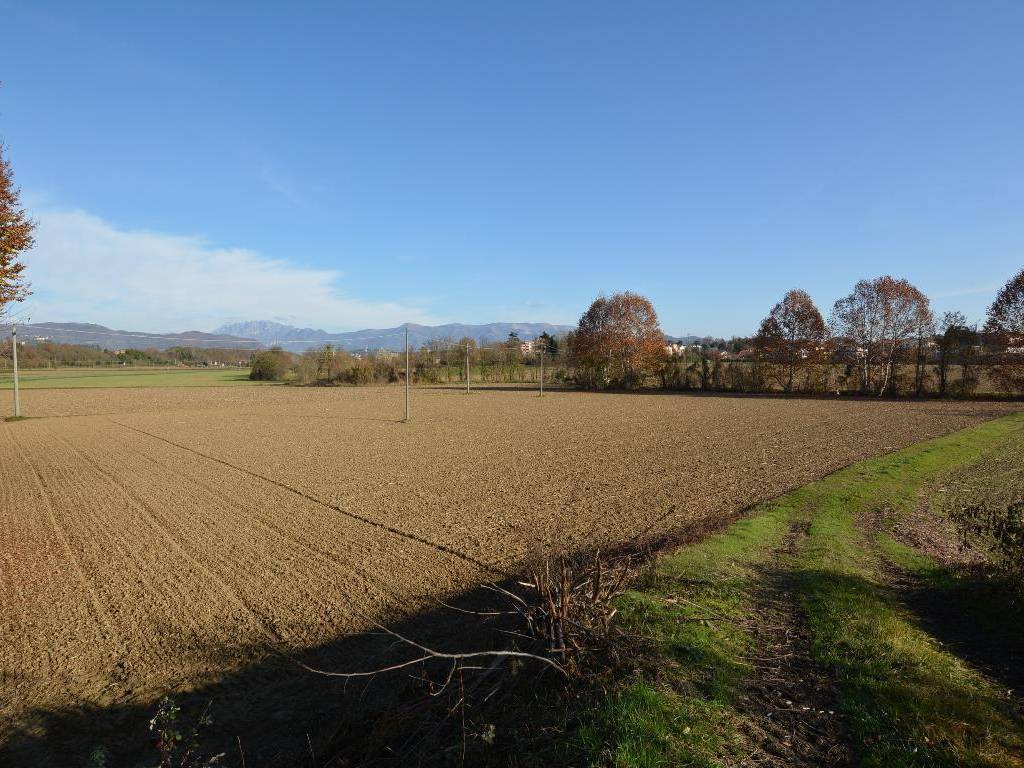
<point x="278" y="181"/>
<point x="969" y="290"/>
<point x="84" y="269"/>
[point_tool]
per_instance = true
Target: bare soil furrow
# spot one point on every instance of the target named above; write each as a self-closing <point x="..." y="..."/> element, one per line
<point x="308" y="497"/>
<point x="179" y="540"/>
<point x="273" y="525"/>
<point x="122" y="495"/>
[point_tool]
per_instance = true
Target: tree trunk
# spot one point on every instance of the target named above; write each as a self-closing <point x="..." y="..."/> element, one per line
<point x="919" y="368"/>
<point x="887" y="374"/>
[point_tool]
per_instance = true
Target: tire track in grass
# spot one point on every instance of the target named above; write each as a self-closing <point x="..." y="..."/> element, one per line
<point x="788" y="700"/>
<point x="909" y="699"/>
<point x="354" y="515"/>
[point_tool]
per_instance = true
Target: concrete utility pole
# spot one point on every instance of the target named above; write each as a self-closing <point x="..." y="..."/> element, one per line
<point x="467" y="367"/>
<point x="541" y="373"/>
<point x="407" y="373"/>
<point x="14" y="354"/>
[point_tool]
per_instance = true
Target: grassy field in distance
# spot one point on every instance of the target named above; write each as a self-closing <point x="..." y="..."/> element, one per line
<point x="59" y="378"/>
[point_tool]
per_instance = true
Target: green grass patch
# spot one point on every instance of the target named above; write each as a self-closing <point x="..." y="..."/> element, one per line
<point x="76" y="378"/>
<point x="647" y="727"/>
<point x="675" y="708"/>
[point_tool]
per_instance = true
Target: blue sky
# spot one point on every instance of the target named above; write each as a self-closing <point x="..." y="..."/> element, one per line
<point x="347" y="165"/>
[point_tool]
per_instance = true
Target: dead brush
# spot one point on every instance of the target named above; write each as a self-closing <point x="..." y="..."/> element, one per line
<point x="566" y="600"/>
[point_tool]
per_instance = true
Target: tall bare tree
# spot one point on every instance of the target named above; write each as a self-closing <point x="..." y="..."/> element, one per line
<point x="15" y="238"/>
<point x="792" y="335"/>
<point x="1004" y="334"/>
<point x="857" y="318"/>
<point x="881" y="316"/>
<point x="924" y="331"/>
<point x="952" y="329"/>
<point x="618" y="340"/>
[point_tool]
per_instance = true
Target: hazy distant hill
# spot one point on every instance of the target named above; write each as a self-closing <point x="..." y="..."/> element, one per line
<point x="94" y="335"/>
<point x="253" y="334"/>
<point x="297" y="339"/>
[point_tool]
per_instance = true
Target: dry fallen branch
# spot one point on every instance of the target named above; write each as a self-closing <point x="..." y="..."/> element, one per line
<point x="430" y="653"/>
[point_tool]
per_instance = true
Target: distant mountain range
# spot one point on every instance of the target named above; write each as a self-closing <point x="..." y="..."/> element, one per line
<point x="297" y="339"/>
<point x="254" y="334"/>
<point x="94" y="335"/>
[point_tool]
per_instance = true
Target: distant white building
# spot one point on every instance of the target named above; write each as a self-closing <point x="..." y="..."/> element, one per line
<point x="675" y="349"/>
<point x="532" y="346"/>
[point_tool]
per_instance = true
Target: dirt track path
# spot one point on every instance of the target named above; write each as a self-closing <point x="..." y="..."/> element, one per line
<point x="789" y="701"/>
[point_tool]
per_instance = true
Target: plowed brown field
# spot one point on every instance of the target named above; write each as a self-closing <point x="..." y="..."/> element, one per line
<point x="155" y="539"/>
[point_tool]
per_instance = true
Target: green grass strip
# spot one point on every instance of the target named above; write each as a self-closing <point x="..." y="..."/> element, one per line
<point x="78" y="378"/>
<point x="906" y="700"/>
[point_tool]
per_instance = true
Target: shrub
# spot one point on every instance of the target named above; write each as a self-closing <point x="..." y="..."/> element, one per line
<point x="361" y="373"/>
<point x="269" y="366"/>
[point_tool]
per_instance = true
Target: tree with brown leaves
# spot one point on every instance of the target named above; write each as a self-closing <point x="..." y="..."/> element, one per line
<point x="905" y="309"/>
<point x="792" y="335"/>
<point x="881" y="318"/>
<point x="15" y="238"/>
<point x="618" y="341"/>
<point x="1004" y="334"/>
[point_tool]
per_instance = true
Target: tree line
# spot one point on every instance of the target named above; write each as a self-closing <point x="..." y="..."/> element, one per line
<point x="881" y="339"/>
<point x="888" y="341"/>
<point x="438" y="361"/>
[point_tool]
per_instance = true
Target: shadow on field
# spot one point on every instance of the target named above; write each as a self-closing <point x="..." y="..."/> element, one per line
<point x="895" y="686"/>
<point x="977" y="615"/>
<point x="280" y="714"/>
